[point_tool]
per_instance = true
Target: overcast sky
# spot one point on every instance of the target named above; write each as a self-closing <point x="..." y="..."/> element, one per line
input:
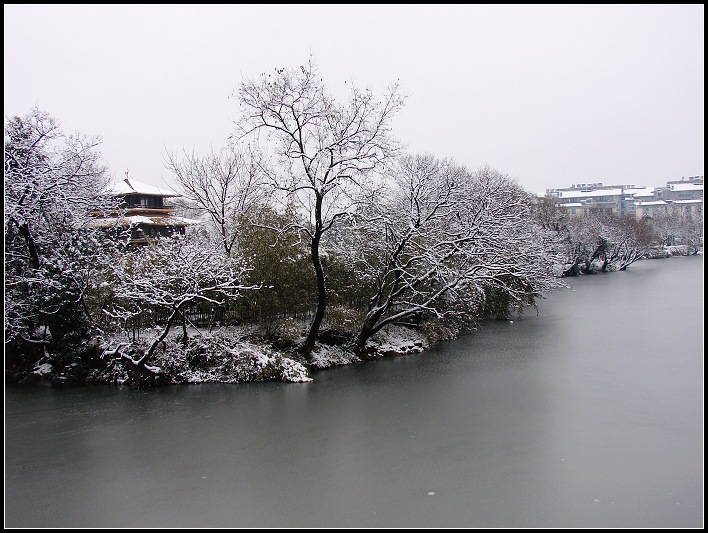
<point x="551" y="95"/>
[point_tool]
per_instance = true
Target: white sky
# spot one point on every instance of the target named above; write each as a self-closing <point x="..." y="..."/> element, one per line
<point x="551" y="95"/>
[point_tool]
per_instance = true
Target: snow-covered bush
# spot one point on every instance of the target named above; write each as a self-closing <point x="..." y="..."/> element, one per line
<point x="221" y="356"/>
<point x="398" y="340"/>
<point x="289" y="331"/>
<point x="325" y="356"/>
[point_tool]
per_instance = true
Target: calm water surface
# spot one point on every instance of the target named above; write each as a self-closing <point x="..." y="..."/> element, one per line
<point x="587" y="415"/>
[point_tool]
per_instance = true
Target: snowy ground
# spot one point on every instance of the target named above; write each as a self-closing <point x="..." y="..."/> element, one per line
<point x="393" y="340"/>
<point x="233" y="355"/>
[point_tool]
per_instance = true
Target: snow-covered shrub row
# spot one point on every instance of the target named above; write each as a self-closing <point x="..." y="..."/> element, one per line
<point x="599" y="240"/>
<point x="684" y="249"/>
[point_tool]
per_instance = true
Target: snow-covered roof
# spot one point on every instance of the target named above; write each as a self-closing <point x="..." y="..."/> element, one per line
<point x="686" y="186"/>
<point x="644" y="191"/>
<point x="158" y="220"/>
<point x="655" y="202"/>
<point x="590" y="194"/>
<point x="574" y="204"/>
<point x="131" y="186"/>
<point x="694" y="201"/>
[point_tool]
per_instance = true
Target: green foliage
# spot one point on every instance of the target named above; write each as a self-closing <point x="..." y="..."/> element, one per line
<point x="436" y="329"/>
<point x="507" y="295"/>
<point x="280" y="261"/>
<point x="348" y="285"/>
<point x="343" y="319"/>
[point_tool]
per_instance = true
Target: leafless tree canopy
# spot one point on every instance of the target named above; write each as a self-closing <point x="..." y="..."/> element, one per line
<point x="225" y="185"/>
<point x="325" y="151"/>
<point x="443" y="235"/>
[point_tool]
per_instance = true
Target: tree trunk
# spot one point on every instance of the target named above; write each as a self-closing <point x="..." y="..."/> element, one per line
<point x="163" y="335"/>
<point x="184" y="329"/>
<point x="321" y="284"/>
<point x="365" y="334"/>
<point x="31" y="246"/>
<point x="321" y="304"/>
<point x="369" y="327"/>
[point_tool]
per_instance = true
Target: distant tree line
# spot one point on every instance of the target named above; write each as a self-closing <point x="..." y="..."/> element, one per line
<point x="312" y="212"/>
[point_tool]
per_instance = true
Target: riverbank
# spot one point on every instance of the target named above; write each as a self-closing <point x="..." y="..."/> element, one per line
<point x="221" y="355"/>
<point x="230" y="354"/>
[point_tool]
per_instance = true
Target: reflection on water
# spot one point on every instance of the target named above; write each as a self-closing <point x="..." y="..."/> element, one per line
<point x="587" y="415"/>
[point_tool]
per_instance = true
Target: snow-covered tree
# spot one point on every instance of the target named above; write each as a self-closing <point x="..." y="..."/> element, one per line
<point x="53" y="182"/>
<point x="691" y="233"/>
<point x="631" y="239"/>
<point x="441" y="237"/>
<point x="603" y="241"/>
<point x="222" y="185"/>
<point x="325" y="150"/>
<point x="676" y="224"/>
<point x="167" y="276"/>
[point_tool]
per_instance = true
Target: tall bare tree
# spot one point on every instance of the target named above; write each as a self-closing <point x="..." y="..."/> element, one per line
<point x="325" y="150"/>
<point x="224" y="185"/>
<point x="627" y="240"/>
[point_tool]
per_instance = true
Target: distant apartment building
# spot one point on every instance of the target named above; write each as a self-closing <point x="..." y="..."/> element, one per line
<point x="630" y="200"/>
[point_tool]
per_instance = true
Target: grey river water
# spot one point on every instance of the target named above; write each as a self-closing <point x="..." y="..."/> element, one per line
<point x="587" y="415"/>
